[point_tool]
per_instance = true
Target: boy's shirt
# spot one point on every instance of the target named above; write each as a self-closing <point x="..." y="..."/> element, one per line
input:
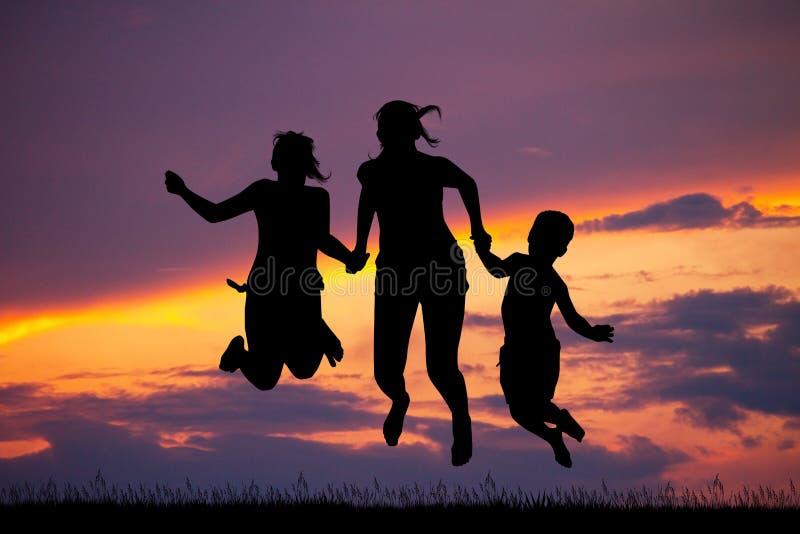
<point x="528" y="302"/>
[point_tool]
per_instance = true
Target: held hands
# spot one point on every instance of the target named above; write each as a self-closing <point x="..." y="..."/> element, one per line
<point x="482" y="240"/>
<point x="358" y="258"/>
<point x="602" y="332"/>
<point x="174" y="183"/>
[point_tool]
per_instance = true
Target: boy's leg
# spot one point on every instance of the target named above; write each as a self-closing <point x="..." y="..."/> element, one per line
<point x="528" y="397"/>
<point x="564" y="420"/>
<point x="550" y="369"/>
<point x="531" y="420"/>
<point x="394" y="318"/>
<point x="443" y="316"/>
<point x="567" y="424"/>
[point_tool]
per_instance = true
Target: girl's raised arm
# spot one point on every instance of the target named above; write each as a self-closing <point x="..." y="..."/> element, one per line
<point x="210" y="211"/>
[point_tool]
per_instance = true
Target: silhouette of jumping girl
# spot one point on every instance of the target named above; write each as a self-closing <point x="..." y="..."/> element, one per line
<point x="419" y="263"/>
<point x="283" y="314"/>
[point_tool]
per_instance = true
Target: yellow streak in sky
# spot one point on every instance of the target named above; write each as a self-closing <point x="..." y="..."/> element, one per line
<point x="359" y="438"/>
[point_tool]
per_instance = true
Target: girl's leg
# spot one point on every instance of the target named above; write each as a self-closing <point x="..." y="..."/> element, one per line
<point x="306" y="340"/>
<point x="261" y="364"/>
<point x="443" y="316"/>
<point x="261" y="368"/>
<point x="394" y="318"/>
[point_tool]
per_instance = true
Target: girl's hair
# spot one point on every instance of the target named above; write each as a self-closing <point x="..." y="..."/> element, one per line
<point x="398" y="120"/>
<point x="295" y="150"/>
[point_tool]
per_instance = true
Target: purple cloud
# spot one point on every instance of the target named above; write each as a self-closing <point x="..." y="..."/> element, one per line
<point x="698" y="210"/>
<point x="482" y="320"/>
<point x="231" y="443"/>
<point x="719" y="352"/>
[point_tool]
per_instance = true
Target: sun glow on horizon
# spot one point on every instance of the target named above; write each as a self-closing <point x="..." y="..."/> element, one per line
<point x="170" y="340"/>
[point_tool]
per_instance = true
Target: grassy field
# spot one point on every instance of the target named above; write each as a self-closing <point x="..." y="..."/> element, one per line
<point x="388" y="505"/>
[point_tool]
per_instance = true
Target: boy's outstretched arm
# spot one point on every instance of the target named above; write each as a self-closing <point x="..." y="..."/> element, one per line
<point x="599" y="332"/>
<point x="497" y="267"/>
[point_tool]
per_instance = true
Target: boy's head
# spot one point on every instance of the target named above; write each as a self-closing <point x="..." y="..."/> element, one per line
<point x="551" y="233"/>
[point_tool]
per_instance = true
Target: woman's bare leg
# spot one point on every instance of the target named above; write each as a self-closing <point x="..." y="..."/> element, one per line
<point x="443" y="316"/>
<point x="394" y="318"/>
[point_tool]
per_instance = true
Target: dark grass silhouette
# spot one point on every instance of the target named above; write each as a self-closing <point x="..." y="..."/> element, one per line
<point x="384" y="502"/>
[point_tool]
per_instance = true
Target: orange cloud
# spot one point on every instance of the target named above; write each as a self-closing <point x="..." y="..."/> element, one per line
<point x="22" y="447"/>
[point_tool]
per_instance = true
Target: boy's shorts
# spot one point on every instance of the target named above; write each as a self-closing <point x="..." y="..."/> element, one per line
<point x="529" y="373"/>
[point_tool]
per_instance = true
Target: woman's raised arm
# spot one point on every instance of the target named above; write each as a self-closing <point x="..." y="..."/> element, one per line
<point x="453" y="176"/>
<point x="366" y="212"/>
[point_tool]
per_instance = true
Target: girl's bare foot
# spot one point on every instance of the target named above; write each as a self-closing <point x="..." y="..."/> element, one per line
<point x="229" y="361"/>
<point x="335" y="354"/>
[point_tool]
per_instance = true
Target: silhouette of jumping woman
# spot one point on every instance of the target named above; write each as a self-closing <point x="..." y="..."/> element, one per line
<point x="283" y="314"/>
<point x="419" y="262"/>
<point x="529" y="358"/>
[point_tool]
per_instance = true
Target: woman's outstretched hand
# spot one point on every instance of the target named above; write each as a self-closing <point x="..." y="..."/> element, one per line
<point x="174" y="183"/>
<point x="358" y="258"/>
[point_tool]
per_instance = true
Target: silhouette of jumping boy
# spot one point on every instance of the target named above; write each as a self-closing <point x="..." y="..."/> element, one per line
<point x="529" y="357"/>
<point x="283" y="314"/>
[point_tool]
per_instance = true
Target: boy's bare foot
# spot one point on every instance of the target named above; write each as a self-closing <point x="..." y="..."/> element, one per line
<point x="335" y="354"/>
<point x="570" y="426"/>
<point x="461" y="451"/>
<point x="229" y="361"/>
<point x="562" y="454"/>
<point x="393" y="425"/>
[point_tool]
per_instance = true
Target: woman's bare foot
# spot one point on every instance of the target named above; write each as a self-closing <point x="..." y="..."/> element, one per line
<point x="461" y="451"/>
<point x="393" y="425"/>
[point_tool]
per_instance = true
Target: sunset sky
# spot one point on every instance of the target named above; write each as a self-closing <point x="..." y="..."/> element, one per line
<point x="669" y="131"/>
